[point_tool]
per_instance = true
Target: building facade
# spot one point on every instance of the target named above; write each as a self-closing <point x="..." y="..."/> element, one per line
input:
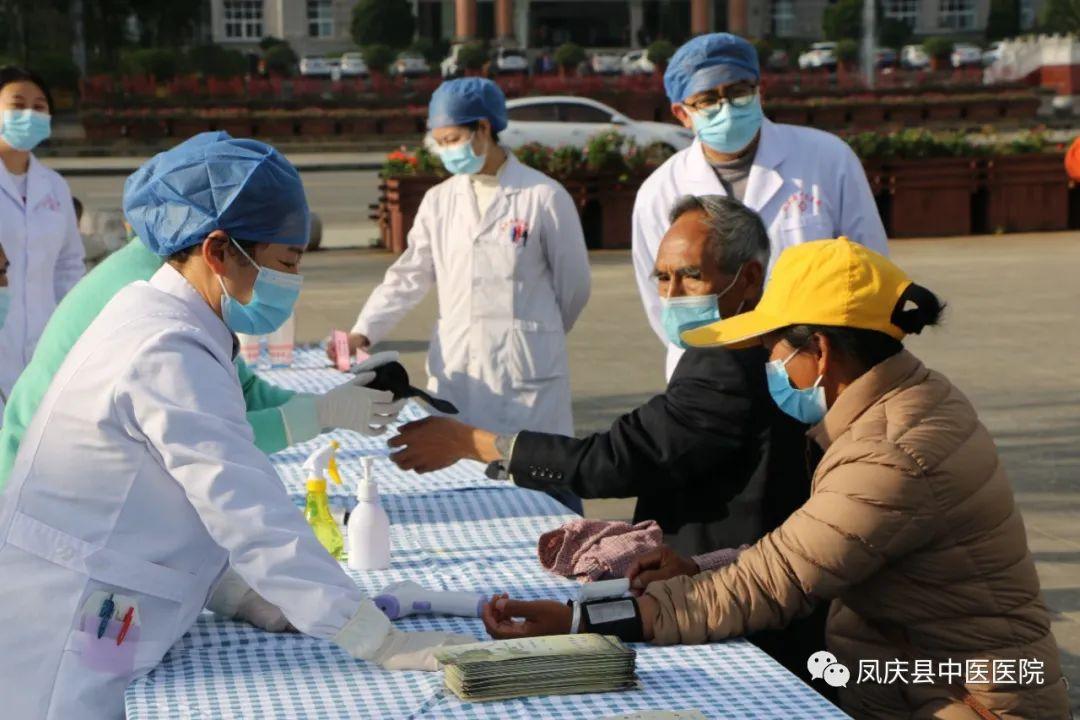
<point x="322" y="26"/>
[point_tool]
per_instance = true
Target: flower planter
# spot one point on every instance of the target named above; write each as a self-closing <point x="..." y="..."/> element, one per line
<point x="399" y="125"/>
<point x="101" y="128"/>
<point x="929" y="197"/>
<point x="790" y="114"/>
<point x="237" y="127"/>
<point x="315" y="126"/>
<point x="982" y="110"/>
<point x="1021" y="108"/>
<point x="867" y="116"/>
<point x="944" y="112"/>
<point x="1026" y="193"/>
<point x="275" y="127"/>
<point x="905" y="114"/>
<point x="185" y="127"/>
<point x="359" y="125"/>
<point x="403" y="196"/>
<point x="828" y="116"/>
<point x="144" y="128"/>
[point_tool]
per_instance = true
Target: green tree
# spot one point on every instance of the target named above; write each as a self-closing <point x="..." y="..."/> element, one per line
<point x="569" y="55"/>
<point x="472" y="57"/>
<point x="216" y="61"/>
<point x="383" y="22"/>
<point x="843" y="20"/>
<point x="1003" y="20"/>
<point x="659" y="53"/>
<point x="378" y="57"/>
<point x="280" y="59"/>
<point x="1061" y="16"/>
<point x="894" y="33"/>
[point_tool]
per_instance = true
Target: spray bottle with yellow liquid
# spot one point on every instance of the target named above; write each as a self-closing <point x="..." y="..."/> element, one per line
<point x="319" y="464"/>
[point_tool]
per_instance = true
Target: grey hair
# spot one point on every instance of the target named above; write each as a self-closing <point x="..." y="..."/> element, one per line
<point x="736" y="233"/>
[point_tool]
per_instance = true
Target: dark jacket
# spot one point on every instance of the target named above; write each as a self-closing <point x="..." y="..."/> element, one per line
<point x="686" y="453"/>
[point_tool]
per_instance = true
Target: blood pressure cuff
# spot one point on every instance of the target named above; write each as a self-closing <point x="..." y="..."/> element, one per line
<point x="620" y="617"/>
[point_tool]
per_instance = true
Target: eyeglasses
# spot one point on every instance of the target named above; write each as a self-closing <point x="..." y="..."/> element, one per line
<point x="739" y="96"/>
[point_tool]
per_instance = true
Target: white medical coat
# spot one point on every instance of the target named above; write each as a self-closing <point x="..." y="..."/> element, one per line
<point x="42" y="242"/>
<point x="139" y="476"/>
<point x="511" y="284"/>
<point x="805" y="184"/>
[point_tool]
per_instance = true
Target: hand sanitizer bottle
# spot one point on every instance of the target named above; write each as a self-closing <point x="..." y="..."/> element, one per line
<point x="369" y="527"/>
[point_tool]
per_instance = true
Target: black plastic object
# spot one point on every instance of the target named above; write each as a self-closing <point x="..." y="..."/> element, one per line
<point x="394" y="378"/>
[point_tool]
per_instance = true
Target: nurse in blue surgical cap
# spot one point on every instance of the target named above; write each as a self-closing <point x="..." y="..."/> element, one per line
<point x="503" y="245"/>
<point x="138" y="496"/>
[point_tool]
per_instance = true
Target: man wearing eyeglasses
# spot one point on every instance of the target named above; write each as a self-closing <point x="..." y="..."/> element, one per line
<point x="804" y="183"/>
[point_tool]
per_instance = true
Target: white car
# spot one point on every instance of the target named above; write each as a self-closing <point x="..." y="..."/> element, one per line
<point x="353" y="65"/>
<point x="450" y="67"/>
<point x="966" y="55"/>
<point x="507" y="61"/>
<point x="636" y="62"/>
<point x="913" y="57"/>
<point x="565" y="120"/>
<point x="315" y="66"/>
<point x="410" y="64"/>
<point x="603" y="63"/>
<point x="820" y="55"/>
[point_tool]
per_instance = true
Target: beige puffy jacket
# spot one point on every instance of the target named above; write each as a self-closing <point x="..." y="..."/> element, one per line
<point x="912" y="532"/>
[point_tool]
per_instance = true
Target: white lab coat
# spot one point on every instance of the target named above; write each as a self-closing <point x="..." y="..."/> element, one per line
<point x="498" y="350"/>
<point x="805" y="184"/>
<point x="43" y="245"/>
<point x="138" y="476"/>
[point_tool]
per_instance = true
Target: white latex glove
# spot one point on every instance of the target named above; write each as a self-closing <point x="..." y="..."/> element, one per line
<point x="367" y="368"/>
<point x="415" y="650"/>
<point x="355" y="407"/>
<point x="232" y="598"/>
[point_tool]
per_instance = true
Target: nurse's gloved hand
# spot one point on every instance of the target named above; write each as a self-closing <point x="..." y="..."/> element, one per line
<point x="415" y="650"/>
<point x="355" y="407"/>
<point x="232" y="598"/>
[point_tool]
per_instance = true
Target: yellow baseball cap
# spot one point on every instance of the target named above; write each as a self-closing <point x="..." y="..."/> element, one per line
<point x="825" y="282"/>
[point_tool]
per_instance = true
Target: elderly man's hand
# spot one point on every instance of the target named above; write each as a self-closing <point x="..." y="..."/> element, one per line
<point x="538" y="617"/>
<point x="438" y="442"/>
<point x="659" y="564"/>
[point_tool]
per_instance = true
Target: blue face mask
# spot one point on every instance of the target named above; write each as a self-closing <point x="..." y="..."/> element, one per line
<point x="25" y="129"/>
<point x="272" y="301"/>
<point x="462" y="159"/>
<point x="5" y="303"/>
<point x="679" y="314"/>
<point x="728" y="129"/>
<point x="806" y="405"/>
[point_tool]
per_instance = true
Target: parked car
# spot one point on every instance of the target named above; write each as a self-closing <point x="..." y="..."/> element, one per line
<point x="885" y="58"/>
<point x="992" y="54"/>
<point x="913" y="57"/>
<point x="510" y="61"/>
<point x="410" y="64"/>
<point x="605" y="63"/>
<point x="820" y="55"/>
<point x="566" y="120"/>
<point x="353" y="65"/>
<point x="966" y="55"/>
<point x="636" y="62"/>
<point x="315" y="66"/>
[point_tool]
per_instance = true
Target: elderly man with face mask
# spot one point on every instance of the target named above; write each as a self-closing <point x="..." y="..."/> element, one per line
<point x="685" y="454"/>
<point x="804" y="183"/>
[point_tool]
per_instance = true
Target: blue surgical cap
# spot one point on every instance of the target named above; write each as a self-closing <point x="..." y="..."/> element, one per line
<point x="709" y="61"/>
<point x="216" y="182"/>
<point x="464" y="101"/>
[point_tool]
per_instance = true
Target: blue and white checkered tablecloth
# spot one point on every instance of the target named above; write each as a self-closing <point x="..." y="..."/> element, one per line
<point x="453" y="530"/>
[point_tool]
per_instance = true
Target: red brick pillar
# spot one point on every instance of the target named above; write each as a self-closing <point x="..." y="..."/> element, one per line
<point x="465" y="19"/>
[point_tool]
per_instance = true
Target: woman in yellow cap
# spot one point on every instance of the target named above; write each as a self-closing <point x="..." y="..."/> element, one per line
<point x="911" y="530"/>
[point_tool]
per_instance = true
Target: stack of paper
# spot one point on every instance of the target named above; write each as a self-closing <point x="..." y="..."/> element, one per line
<point x="554" y="665"/>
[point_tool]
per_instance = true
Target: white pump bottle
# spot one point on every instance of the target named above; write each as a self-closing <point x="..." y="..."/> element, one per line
<point x="369" y="527"/>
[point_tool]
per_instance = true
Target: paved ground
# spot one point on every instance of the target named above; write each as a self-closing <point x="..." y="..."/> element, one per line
<point x="1010" y="341"/>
